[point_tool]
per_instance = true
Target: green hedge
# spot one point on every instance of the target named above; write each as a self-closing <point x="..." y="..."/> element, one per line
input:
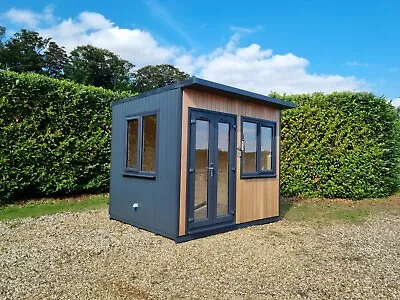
<point x="54" y="136"/>
<point x="55" y="139"/>
<point x="340" y="145"/>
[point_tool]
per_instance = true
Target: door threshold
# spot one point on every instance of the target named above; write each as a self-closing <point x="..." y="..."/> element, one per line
<point x="221" y="228"/>
<point x="212" y="227"/>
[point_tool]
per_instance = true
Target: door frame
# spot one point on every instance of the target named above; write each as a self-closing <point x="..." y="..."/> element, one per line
<point x="214" y="221"/>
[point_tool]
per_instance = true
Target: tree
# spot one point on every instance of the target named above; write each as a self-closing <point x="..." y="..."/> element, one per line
<point x="2" y="35"/>
<point x="27" y="51"/>
<point x="24" y="52"/>
<point x="152" y="77"/>
<point x="99" y="67"/>
<point x="55" y="60"/>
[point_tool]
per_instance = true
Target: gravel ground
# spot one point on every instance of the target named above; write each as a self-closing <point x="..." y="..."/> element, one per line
<point x="86" y="256"/>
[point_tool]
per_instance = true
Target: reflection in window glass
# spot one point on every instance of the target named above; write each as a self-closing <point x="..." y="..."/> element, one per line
<point x="132" y="151"/>
<point x="201" y="174"/>
<point x="250" y="147"/>
<point x="223" y="169"/>
<point x="266" y="148"/>
<point x="149" y="143"/>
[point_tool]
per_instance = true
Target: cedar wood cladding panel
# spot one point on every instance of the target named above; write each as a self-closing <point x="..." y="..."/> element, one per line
<point x="158" y="199"/>
<point x="256" y="198"/>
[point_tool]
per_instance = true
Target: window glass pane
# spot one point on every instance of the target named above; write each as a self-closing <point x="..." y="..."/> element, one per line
<point x="149" y="143"/>
<point x="223" y="169"/>
<point x="250" y="147"/>
<point x="132" y="151"/>
<point x="266" y="148"/>
<point x="201" y="167"/>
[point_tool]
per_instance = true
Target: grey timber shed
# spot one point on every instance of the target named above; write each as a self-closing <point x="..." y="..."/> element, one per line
<point x="195" y="158"/>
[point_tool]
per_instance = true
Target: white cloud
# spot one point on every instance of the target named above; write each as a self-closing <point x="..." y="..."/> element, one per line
<point x="29" y="18"/>
<point x="249" y="67"/>
<point x="135" y="45"/>
<point x="282" y="73"/>
<point x="94" y="21"/>
<point x="185" y="62"/>
<point x="396" y="102"/>
<point x="23" y="17"/>
<point x="259" y="70"/>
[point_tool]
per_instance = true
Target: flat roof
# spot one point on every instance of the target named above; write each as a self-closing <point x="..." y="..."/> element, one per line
<point x="216" y="88"/>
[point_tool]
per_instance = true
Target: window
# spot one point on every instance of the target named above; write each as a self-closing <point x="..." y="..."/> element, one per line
<point x="258" y="148"/>
<point x="133" y="127"/>
<point x="266" y="148"/>
<point x="250" y="147"/>
<point x="141" y="146"/>
<point x="149" y="143"/>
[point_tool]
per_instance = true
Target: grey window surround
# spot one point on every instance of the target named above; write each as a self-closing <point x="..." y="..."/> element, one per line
<point x="137" y="172"/>
<point x="259" y="172"/>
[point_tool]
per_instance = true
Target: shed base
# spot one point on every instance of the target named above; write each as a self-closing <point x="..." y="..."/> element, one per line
<point x="230" y="227"/>
<point x="201" y="234"/>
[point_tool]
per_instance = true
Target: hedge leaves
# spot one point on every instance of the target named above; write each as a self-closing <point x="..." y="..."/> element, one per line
<point x="342" y="145"/>
<point x="54" y="136"/>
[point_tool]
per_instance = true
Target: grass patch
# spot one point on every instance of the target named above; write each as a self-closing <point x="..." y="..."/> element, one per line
<point x="292" y="209"/>
<point x="326" y="210"/>
<point x="306" y="211"/>
<point x="36" y="208"/>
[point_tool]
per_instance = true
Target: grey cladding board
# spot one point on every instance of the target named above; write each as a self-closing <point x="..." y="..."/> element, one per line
<point x="157" y="199"/>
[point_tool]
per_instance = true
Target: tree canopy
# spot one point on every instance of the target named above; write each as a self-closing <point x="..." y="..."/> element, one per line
<point x="27" y="51"/>
<point x="56" y="59"/>
<point x="152" y="77"/>
<point x="99" y="67"/>
<point x="2" y="35"/>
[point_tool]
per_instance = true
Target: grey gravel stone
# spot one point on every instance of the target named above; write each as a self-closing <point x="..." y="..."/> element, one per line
<point x="86" y="256"/>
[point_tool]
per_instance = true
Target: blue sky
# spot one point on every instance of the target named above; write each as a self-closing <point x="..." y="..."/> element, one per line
<point x="285" y="46"/>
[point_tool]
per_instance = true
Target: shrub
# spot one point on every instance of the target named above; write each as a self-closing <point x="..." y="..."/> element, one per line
<point x="54" y="136"/>
<point x="343" y="145"/>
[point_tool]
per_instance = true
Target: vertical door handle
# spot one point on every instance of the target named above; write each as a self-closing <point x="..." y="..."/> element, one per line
<point x="211" y="169"/>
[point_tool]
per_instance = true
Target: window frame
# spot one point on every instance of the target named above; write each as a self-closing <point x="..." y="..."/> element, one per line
<point x="137" y="172"/>
<point x="259" y="172"/>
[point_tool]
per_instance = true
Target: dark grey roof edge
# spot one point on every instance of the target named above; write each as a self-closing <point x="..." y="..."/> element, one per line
<point x="194" y="81"/>
<point x="243" y="93"/>
<point x="152" y="92"/>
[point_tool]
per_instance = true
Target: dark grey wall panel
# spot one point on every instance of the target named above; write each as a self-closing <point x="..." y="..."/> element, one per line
<point x="158" y="199"/>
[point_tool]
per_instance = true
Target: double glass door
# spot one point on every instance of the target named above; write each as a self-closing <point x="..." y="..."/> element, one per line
<point x="211" y="168"/>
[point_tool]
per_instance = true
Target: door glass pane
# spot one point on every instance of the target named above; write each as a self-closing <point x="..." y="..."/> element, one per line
<point x="132" y="151"/>
<point x="149" y="143"/>
<point x="201" y="170"/>
<point x="266" y="148"/>
<point x="250" y="146"/>
<point x="223" y="169"/>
